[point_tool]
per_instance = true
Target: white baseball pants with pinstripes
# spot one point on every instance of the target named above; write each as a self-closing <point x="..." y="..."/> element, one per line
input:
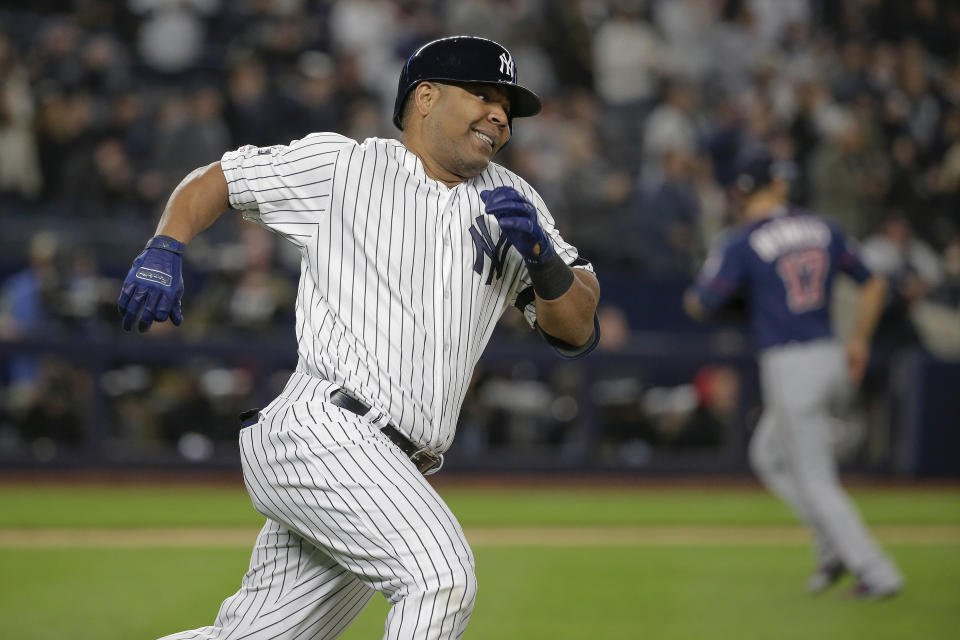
<point x="347" y="515"/>
<point x="805" y="389"/>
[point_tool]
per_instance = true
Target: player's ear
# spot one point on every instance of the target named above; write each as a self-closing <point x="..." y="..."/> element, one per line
<point x="425" y="97"/>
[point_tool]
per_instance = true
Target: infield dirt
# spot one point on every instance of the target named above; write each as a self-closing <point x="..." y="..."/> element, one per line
<point x="478" y="536"/>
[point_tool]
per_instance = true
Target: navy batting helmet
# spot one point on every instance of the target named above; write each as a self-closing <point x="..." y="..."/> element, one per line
<point x="465" y="59"/>
<point x="755" y="167"/>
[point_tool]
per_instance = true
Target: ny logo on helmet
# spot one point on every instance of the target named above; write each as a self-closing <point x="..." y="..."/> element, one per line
<point x="484" y="246"/>
<point x="506" y="64"/>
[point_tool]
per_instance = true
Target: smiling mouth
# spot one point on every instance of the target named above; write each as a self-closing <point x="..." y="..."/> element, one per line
<point x="484" y="138"/>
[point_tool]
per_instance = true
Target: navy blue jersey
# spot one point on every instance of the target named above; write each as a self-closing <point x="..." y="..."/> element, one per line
<point x="785" y="266"/>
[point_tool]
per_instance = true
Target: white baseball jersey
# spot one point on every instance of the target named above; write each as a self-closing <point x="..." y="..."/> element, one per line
<point x="403" y="279"/>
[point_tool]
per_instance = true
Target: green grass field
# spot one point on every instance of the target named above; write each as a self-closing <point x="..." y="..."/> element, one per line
<point x="594" y="567"/>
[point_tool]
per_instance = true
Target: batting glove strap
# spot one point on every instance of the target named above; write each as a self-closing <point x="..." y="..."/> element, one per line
<point x="551" y="278"/>
<point x="167" y="243"/>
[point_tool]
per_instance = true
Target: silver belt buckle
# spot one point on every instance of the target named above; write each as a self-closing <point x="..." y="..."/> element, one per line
<point x="425" y="462"/>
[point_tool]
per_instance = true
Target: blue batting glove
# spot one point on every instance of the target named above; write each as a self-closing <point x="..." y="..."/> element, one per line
<point x="154" y="286"/>
<point x="518" y="220"/>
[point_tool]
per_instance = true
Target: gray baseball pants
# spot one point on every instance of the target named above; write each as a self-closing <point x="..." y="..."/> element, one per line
<point x="805" y="387"/>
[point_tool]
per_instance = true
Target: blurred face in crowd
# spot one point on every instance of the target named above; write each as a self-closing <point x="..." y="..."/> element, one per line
<point x="459" y="127"/>
<point x="897" y="229"/>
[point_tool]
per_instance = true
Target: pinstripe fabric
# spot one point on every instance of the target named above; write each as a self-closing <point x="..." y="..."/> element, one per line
<point x="347" y="515"/>
<point x="389" y="306"/>
<point x="401" y="286"/>
<point x="292" y="590"/>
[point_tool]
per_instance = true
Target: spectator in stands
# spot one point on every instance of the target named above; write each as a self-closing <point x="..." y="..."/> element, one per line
<point x="30" y="306"/>
<point x="947" y="176"/>
<point x="172" y="33"/>
<point x="949" y="291"/>
<point x="847" y="178"/>
<point x="913" y="269"/>
<point x="105" y="68"/>
<point x="628" y="63"/>
<point x="19" y="166"/>
<point x="49" y="414"/>
<point x="29" y="298"/>
<point x="914" y="100"/>
<point x="252" y="106"/>
<point x="672" y="125"/>
<point x="314" y="99"/>
<point x="250" y="296"/>
<point x="686" y="25"/>
<point x="668" y="217"/>
<point x="734" y="47"/>
<point x="101" y="180"/>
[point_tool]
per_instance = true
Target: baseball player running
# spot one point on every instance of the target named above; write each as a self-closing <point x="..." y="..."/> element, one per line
<point x="784" y="261"/>
<point x="411" y="251"/>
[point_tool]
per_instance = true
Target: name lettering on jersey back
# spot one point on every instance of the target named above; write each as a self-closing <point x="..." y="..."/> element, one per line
<point x="484" y="247"/>
<point x="785" y="235"/>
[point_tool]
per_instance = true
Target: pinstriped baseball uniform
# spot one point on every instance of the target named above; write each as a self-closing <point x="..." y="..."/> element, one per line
<point x="403" y="280"/>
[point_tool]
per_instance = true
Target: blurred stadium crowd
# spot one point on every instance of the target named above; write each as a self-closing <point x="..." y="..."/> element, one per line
<point x="105" y="106"/>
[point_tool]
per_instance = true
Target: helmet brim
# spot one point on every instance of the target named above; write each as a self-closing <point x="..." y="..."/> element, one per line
<point x="523" y="102"/>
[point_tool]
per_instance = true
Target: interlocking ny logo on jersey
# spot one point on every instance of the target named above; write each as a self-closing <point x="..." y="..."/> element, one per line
<point x="506" y="64"/>
<point x="484" y="247"/>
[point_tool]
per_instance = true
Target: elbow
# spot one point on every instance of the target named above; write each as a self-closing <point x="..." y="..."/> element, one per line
<point x="575" y="334"/>
<point x="582" y="336"/>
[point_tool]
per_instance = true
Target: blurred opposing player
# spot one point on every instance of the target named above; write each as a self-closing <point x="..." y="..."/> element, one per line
<point x="783" y="261"/>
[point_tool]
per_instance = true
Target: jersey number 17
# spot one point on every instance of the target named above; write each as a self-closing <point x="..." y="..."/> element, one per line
<point x="804" y="275"/>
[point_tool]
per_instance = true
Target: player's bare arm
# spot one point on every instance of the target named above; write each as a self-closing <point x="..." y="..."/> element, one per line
<point x="570" y="317"/>
<point x="195" y="204"/>
<point x="873" y="293"/>
<point x="153" y="288"/>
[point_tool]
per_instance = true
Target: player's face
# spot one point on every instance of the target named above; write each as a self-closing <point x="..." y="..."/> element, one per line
<point x="471" y="124"/>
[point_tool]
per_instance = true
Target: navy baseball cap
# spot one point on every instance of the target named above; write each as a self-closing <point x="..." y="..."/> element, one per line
<point x="465" y="59"/>
<point x="755" y="168"/>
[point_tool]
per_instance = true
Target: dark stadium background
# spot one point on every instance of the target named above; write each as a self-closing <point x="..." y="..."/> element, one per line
<point x="105" y="106"/>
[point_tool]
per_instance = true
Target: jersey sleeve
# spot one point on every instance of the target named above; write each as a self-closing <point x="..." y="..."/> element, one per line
<point x="524" y="298"/>
<point x="723" y="273"/>
<point x="846" y="256"/>
<point x="285" y="188"/>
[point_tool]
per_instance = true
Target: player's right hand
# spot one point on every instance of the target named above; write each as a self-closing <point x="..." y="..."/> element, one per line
<point x="153" y="288"/>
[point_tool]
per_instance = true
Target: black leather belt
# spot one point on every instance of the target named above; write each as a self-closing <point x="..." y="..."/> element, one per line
<point x="427" y="463"/>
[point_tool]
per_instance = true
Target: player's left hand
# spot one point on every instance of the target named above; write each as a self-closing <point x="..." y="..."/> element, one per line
<point x="518" y="221"/>
<point x="153" y="287"/>
<point x="858" y="354"/>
